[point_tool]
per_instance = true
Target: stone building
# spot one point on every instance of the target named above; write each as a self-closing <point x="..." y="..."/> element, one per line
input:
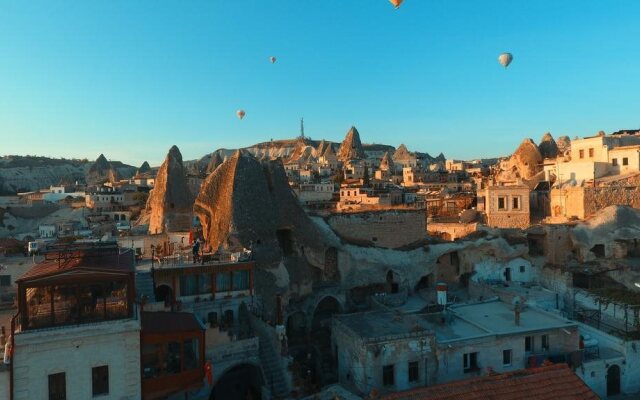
<point x="389" y="351"/>
<point x="505" y="206"/>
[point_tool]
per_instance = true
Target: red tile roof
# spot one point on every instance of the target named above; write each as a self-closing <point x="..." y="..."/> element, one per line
<point x="551" y="382"/>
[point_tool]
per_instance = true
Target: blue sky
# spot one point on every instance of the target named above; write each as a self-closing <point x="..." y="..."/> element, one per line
<point x="131" y="78"/>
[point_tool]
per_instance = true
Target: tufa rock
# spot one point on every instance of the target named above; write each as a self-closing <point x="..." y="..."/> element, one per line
<point x="214" y="163"/>
<point x="170" y="201"/>
<point x="246" y="203"/>
<point x="144" y="168"/>
<point x="548" y="147"/>
<point x="351" y="147"/>
<point x="402" y="154"/>
<point x="564" y="145"/>
<point x="387" y="163"/>
<point x="101" y="171"/>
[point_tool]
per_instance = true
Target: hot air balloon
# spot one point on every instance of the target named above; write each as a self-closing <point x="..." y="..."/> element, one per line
<point x="505" y="59"/>
<point x="272" y="59"/>
<point x="396" y="3"/>
<point x="240" y="114"/>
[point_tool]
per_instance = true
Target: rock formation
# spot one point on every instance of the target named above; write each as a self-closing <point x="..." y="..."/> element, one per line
<point x="402" y="154"/>
<point x="548" y="147"/>
<point x="246" y="203"/>
<point x="386" y="164"/>
<point x="564" y="145"/>
<point x="525" y="164"/>
<point x="101" y="171"/>
<point x="144" y="168"/>
<point x="215" y="161"/>
<point x="170" y="201"/>
<point x="351" y="147"/>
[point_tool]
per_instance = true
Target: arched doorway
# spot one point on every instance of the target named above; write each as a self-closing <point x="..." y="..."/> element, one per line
<point x="324" y="370"/>
<point x="613" y="380"/>
<point x="241" y="382"/>
<point x="164" y="293"/>
<point x="296" y="329"/>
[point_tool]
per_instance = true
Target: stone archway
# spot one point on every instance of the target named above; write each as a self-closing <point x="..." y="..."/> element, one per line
<point x="164" y="293"/>
<point x="613" y="380"/>
<point x="240" y="382"/>
<point x="297" y="329"/>
<point x="323" y="359"/>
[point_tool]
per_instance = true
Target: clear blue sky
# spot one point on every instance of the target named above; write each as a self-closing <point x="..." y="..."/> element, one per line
<point x="131" y="78"/>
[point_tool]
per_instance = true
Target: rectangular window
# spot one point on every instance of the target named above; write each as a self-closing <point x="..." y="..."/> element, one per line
<point x="5" y="280"/>
<point x="191" y="354"/>
<point x="470" y="362"/>
<point x="625" y="161"/>
<point x="528" y="344"/>
<point x="414" y="371"/>
<point x="590" y="153"/>
<point x="581" y="152"/>
<point x="100" y="380"/>
<point x="388" y="378"/>
<point x="522" y="269"/>
<point x="502" y="203"/>
<point x="515" y="202"/>
<point x="57" y="386"/>
<point x="614" y="162"/>
<point x="223" y="282"/>
<point x="506" y="358"/>
<point x="240" y="280"/>
<point x="545" y="342"/>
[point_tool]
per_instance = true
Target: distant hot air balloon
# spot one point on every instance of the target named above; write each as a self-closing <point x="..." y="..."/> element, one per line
<point x="272" y="59"/>
<point x="396" y="3"/>
<point x="240" y="114"/>
<point x="505" y="59"/>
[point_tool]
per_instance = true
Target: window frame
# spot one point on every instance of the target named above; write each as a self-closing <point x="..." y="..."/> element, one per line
<point x="99" y="391"/>
<point x="581" y="153"/>
<point x="62" y="386"/>
<point x="614" y="162"/>
<point x="470" y="362"/>
<point x="625" y="161"/>
<point x="504" y="203"/>
<point x="507" y="357"/>
<point x="514" y="200"/>
<point x="591" y="152"/>
<point x="531" y="346"/>
<point x="388" y="375"/>
<point x="413" y="368"/>
<point x="545" y="343"/>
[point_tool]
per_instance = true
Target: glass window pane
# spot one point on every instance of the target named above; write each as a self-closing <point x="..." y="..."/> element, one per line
<point x="204" y="284"/>
<point x="240" y="280"/>
<point x="173" y="358"/>
<point x="188" y="285"/>
<point x="223" y="282"/>
<point x="191" y="354"/>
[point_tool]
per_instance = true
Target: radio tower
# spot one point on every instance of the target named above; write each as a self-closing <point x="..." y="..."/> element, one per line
<point x="302" y="128"/>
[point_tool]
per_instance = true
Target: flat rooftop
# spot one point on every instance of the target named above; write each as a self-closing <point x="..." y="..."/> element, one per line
<point x="460" y="322"/>
<point x="499" y="318"/>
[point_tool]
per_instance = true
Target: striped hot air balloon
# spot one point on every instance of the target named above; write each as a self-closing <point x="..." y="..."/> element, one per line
<point x="505" y="59"/>
<point x="396" y="3"/>
<point x="240" y="114"/>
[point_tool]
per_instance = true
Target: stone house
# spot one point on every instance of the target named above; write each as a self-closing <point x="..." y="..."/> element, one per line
<point x="505" y="206"/>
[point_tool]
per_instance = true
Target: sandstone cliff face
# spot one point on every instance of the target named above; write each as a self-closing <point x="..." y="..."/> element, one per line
<point x="351" y="147"/>
<point x="170" y="201"/>
<point x="548" y="147"/>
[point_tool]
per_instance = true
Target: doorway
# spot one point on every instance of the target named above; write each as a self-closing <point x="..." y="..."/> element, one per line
<point x="613" y="380"/>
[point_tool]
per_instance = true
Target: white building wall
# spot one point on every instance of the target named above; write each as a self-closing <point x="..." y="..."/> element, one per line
<point x="75" y="351"/>
<point x="492" y="269"/>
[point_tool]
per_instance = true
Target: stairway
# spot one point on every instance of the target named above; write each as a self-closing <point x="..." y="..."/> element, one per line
<point x="272" y="368"/>
<point x="144" y="285"/>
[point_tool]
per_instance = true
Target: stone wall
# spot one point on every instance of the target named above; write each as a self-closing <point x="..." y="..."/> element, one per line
<point x="508" y="220"/>
<point x="596" y="199"/>
<point x="451" y="231"/>
<point x="389" y="229"/>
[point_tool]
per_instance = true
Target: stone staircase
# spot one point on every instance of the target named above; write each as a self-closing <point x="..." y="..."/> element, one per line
<point x="270" y="360"/>
<point x="144" y="285"/>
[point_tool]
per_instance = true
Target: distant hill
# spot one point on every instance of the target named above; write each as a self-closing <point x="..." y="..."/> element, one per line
<point x="29" y="173"/>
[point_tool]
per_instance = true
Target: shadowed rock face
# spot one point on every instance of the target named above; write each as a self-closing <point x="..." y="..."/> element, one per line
<point x="526" y="159"/>
<point x="248" y="203"/>
<point x="144" y="168"/>
<point x="403" y="154"/>
<point x="564" y="144"/>
<point x="351" y="147"/>
<point x="101" y="171"/>
<point x="170" y="201"/>
<point x="387" y="163"/>
<point x="216" y="160"/>
<point x="548" y="147"/>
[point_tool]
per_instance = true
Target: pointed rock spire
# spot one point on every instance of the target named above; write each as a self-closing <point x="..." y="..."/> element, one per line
<point x="548" y="147"/>
<point x="351" y="147"/>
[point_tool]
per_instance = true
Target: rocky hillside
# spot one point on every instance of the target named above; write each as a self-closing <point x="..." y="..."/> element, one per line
<point x="27" y="173"/>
